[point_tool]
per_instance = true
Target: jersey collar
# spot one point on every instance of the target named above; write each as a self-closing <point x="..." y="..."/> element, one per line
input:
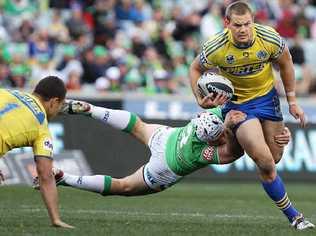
<point x="38" y="102"/>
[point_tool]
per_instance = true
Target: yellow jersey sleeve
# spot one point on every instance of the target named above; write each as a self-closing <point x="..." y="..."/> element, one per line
<point x="43" y="144"/>
<point x="273" y="42"/>
<point x="208" y="55"/>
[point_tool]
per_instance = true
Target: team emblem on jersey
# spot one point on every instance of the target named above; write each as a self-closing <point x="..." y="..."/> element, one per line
<point x="208" y="153"/>
<point x="230" y="59"/>
<point x="48" y="145"/>
<point x="262" y="54"/>
<point x="245" y="54"/>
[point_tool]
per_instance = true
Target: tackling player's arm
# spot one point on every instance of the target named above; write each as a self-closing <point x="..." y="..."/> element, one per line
<point x="288" y="78"/>
<point x="231" y="150"/>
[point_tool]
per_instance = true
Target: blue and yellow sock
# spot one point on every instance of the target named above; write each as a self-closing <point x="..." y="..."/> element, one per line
<point x="276" y="191"/>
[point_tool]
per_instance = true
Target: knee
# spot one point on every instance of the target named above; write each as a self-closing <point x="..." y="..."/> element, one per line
<point x="266" y="166"/>
<point x="267" y="169"/>
<point x="126" y="188"/>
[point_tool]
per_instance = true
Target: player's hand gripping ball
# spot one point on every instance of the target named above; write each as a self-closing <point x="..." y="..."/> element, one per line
<point x="216" y="84"/>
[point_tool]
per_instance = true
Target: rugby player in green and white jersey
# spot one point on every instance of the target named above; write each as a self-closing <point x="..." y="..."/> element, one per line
<point x="175" y="152"/>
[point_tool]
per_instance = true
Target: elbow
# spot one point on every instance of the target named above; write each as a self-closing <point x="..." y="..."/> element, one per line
<point x="195" y="66"/>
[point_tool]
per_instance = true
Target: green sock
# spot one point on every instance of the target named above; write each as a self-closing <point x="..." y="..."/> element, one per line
<point x="107" y="185"/>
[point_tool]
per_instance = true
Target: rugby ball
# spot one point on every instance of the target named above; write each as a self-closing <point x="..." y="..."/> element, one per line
<point x="210" y="82"/>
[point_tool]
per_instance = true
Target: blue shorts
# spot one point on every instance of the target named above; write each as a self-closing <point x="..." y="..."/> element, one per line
<point x="266" y="107"/>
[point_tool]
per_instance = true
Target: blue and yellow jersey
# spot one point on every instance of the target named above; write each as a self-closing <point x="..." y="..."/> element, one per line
<point x="249" y="69"/>
<point x="23" y="123"/>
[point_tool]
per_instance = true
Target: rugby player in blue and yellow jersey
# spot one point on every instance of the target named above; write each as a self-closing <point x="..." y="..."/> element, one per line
<point x="244" y="53"/>
<point x="23" y="122"/>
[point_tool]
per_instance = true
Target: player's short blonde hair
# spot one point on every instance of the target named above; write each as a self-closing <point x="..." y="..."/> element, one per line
<point x="238" y="8"/>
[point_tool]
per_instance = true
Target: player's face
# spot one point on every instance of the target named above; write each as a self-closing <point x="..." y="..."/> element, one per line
<point x="241" y="28"/>
<point x="219" y="141"/>
<point x="55" y="105"/>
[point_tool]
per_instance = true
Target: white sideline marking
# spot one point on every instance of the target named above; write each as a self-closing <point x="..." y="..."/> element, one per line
<point x="139" y="213"/>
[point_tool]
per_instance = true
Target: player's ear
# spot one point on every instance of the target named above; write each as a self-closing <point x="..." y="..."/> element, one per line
<point x="53" y="101"/>
<point x="226" y="21"/>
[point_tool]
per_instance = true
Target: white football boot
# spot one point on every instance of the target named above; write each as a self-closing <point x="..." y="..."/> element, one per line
<point x="59" y="178"/>
<point x="300" y="223"/>
<point x="76" y="107"/>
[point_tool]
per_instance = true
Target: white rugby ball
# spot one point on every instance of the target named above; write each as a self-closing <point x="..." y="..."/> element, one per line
<point x="210" y="82"/>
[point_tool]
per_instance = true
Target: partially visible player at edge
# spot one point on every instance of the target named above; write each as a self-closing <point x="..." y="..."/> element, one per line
<point x="244" y="53"/>
<point x="24" y="122"/>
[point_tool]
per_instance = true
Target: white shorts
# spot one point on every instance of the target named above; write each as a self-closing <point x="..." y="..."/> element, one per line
<point x="156" y="173"/>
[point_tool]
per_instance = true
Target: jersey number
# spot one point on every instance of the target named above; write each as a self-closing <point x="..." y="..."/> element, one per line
<point x="7" y="108"/>
<point x="185" y="136"/>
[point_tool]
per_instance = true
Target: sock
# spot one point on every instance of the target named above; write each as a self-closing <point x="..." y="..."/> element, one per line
<point x="120" y="119"/>
<point x="276" y="191"/>
<point x="95" y="183"/>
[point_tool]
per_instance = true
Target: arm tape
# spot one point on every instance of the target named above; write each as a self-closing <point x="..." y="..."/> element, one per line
<point x="47" y="157"/>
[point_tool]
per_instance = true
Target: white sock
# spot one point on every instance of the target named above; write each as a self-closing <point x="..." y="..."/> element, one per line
<point x="119" y="119"/>
<point x="94" y="183"/>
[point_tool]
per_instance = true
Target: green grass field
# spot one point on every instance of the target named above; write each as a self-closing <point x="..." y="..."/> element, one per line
<point x="185" y="209"/>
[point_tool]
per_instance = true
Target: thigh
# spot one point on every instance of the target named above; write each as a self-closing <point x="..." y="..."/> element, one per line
<point x="131" y="185"/>
<point x="137" y="183"/>
<point x="158" y="176"/>
<point x="270" y="129"/>
<point x="143" y="131"/>
<point x="251" y="137"/>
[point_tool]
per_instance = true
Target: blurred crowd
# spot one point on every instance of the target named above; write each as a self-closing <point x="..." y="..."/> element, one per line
<point x="134" y="45"/>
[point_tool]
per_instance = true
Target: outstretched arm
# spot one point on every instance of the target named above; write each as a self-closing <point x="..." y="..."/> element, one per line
<point x="48" y="189"/>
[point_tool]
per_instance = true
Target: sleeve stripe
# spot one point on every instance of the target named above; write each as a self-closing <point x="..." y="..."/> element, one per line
<point x="215" y="44"/>
<point x="217" y="47"/>
<point x="265" y="39"/>
<point x="267" y="34"/>
<point x="279" y="52"/>
<point x="214" y="41"/>
<point x="210" y="48"/>
<point x="270" y="39"/>
<point x="263" y="29"/>
<point x="211" y="41"/>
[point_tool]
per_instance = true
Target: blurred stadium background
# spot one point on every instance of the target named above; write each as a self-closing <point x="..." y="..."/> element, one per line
<point x="135" y="55"/>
